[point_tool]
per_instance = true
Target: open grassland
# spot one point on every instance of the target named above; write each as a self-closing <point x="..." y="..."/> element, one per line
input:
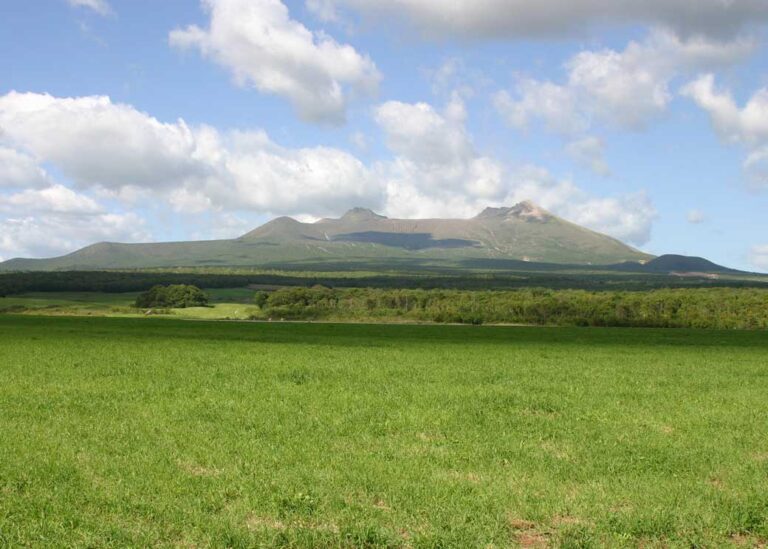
<point x="145" y="432"/>
<point x="226" y="304"/>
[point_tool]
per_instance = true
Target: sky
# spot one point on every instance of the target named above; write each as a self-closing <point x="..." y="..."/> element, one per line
<point x="142" y="121"/>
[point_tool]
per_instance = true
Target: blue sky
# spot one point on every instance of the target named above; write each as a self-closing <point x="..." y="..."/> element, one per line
<point x="146" y="121"/>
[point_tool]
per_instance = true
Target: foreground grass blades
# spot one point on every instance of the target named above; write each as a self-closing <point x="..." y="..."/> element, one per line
<point x="136" y="432"/>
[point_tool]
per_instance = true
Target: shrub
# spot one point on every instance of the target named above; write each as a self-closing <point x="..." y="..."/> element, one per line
<point x="177" y="296"/>
<point x="260" y="298"/>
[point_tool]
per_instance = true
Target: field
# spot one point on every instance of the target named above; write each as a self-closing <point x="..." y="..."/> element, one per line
<point x="157" y="432"/>
<point x="226" y="303"/>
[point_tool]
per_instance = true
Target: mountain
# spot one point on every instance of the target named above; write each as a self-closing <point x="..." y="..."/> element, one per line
<point x="523" y="232"/>
<point x="675" y="264"/>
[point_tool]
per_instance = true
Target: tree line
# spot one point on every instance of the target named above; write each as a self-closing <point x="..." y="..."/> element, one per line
<point x="141" y="280"/>
<point x="722" y="308"/>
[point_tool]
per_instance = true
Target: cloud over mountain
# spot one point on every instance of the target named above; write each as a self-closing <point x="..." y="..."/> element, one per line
<point x="112" y="151"/>
<point x="437" y="171"/>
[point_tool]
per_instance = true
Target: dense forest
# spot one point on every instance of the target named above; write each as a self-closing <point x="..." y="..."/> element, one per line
<point x="691" y="308"/>
<point x="139" y="281"/>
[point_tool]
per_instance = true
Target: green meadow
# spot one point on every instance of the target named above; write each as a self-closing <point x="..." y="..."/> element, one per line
<point x="225" y="304"/>
<point x="169" y="433"/>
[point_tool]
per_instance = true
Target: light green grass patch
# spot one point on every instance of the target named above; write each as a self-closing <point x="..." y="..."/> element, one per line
<point x="227" y="304"/>
<point x="144" y="432"/>
<point x="219" y="311"/>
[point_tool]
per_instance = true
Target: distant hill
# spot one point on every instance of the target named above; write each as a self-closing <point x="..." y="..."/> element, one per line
<point x="524" y="232"/>
<point x="675" y="264"/>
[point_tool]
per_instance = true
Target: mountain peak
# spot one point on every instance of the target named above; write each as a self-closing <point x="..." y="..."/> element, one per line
<point x="525" y="210"/>
<point x="528" y="210"/>
<point x="361" y="214"/>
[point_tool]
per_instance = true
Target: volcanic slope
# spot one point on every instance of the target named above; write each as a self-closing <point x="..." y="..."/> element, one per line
<point x="522" y="232"/>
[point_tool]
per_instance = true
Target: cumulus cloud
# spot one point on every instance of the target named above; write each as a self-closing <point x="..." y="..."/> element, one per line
<point x="738" y="125"/>
<point x="514" y="19"/>
<point x="20" y="170"/>
<point x="747" y="125"/>
<point x="435" y="153"/>
<point x="589" y="152"/>
<point x="263" y="47"/>
<point x="317" y="180"/>
<point x="756" y="168"/>
<point x="556" y="105"/>
<point x="628" y="217"/>
<point x="28" y="235"/>
<point x="40" y="217"/>
<point x="128" y="155"/>
<point x="56" y="199"/>
<point x="625" y="89"/>
<point x="437" y="172"/>
<point x="758" y="256"/>
<point x="695" y="217"/>
<point x="101" y="7"/>
<point x="96" y="142"/>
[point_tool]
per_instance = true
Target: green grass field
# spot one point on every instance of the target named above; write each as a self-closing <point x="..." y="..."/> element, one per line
<point x="225" y="304"/>
<point x="149" y="432"/>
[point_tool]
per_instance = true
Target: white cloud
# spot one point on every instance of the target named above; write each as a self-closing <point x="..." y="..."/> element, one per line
<point x="418" y="132"/>
<point x="556" y="105"/>
<point x="695" y="217"/>
<point x="317" y="180"/>
<point x="443" y="78"/>
<point x="130" y="156"/>
<point x="264" y="48"/>
<point x="589" y="151"/>
<point x="738" y="125"/>
<point x="455" y="77"/>
<point x="492" y="19"/>
<point x="756" y="168"/>
<point x="96" y="142"/>
<point x="55" y="199"/>
<point x="39" y="217"/>
<point x="747" y="125"/>
<point x="628" y="217"/>
<point x="626" y="89"/>
<point x="55" y="234"/>
<point x="758" y="256"/>
<point x="20" y="170"/>
<point x="359" y="140"/>
<point x="101" y="7"/>
<point x="434" y="152"/>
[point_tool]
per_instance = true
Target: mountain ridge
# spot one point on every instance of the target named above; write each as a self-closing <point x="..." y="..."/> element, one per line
<point x="523" y="232"/>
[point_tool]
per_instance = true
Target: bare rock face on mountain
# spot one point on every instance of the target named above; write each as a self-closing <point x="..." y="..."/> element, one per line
<point x="524" y="232"/>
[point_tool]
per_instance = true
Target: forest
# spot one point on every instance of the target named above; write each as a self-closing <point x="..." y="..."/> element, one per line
<point x="208" y="278"/>
<point x="714" y="308"/>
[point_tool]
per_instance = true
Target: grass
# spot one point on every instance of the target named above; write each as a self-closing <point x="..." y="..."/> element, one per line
<point x="226" y="304"/>
<point x="146" y="432"/>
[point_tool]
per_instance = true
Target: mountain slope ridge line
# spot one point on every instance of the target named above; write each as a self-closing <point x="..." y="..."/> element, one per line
<point x="524" y="232"/>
